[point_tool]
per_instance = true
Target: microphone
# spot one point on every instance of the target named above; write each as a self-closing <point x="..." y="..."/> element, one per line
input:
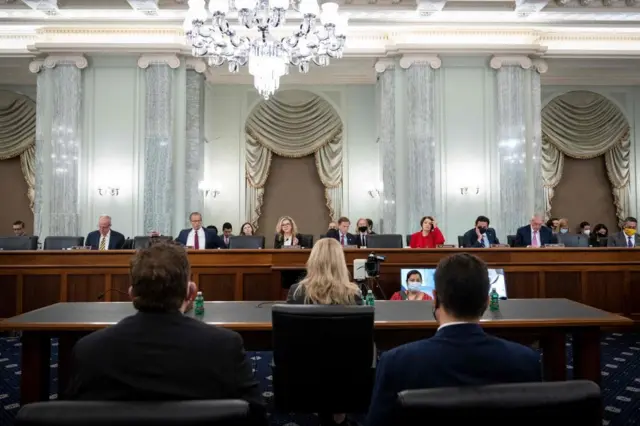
<point x="101" y="295"/>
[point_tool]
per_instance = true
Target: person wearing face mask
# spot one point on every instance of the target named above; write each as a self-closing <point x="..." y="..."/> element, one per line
<point x="414" y="288"/>
<point x="562" y="227"/>
<point x="585" y="228"/>
<point x="460" y="353"/>
<point x="599" y="236"/>
<point x="628" y="236"/>
<point x="363" y="232"/>
<point x="481" y="236"/>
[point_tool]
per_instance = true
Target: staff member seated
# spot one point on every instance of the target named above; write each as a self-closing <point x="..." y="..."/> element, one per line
<point x="534" y="234"/>
<point x="429" y="236"/>
<point x="481" y="236"/>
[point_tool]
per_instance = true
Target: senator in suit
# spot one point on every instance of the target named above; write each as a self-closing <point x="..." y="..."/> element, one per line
<point x="363" y="231"/>
<point x="342" y="233"/>
<point x="460" y="353"/>
<point x="534" y="234"/>
<point x="628" y="237"/>
<point x="481" y="236"/>
<point x="104" y="238"/>
<point x="197" y="237"/>
<point x="160" y="353"/>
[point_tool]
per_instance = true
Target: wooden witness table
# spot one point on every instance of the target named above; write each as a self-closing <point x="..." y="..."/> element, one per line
<point x="545" y="320"/>
<point x="608" y="278"/>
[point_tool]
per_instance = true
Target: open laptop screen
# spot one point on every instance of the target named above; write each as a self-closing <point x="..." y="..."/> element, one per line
<point x="496" y="279"/>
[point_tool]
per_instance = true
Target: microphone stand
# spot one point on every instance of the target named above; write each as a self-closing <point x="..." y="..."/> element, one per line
<point x="101" y="295"/>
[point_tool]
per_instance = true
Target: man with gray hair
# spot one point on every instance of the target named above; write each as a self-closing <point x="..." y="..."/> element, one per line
<point x="104" y="238"/>
<point x="534" y="234"/>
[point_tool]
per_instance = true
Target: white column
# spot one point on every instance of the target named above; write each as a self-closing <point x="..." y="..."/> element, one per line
<point x="158" y="198"/>
<point x="194" y="162"/>
<point x="422" y="155"/>
<point x="518" y="135"/>
<point x="58" y="144"/>
<point x="386" y="88"/>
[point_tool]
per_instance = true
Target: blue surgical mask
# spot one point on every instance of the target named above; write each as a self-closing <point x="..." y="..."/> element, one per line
<point x="564" y="230"/>
<point x="414" y="285"/>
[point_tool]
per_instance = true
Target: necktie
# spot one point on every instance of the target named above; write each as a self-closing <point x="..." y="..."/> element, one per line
<point x="485" y="240"/>
<point x="196" y="241"/>
<point x="630" y="242"/>
<point x="364" y="240"/>
<point x="342" y="240"/>
<point x="226" y="240"/>
<point x="103" y="243"/>
<point x="535" y="242"/>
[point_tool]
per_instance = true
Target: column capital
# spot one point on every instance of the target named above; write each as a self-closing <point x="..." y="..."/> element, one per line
<point x="52" y="61"/>
<point x="432" y="60"/>
<point x="384" y="64"/>
<point x="145" y="60"/>
<point x="540" y="65"/>
<point x="523" y="62"/>
<point x="196" y="64"/>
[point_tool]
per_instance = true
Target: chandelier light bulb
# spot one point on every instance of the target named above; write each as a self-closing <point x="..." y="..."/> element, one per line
<point x="329" y="15"/>
<point x="219" y="6"/>
<point x="342" y="25"/>
<point x="309" y="7"/>
<point x="279" y="4"/>
<point x="245" y="4"/>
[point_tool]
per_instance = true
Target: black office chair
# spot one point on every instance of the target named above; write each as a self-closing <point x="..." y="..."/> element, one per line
<point x="322" y="358"/>
<point x="62" y="243"/>
<point x="460" y="241"/>
<point x="306" y="241"/>
<point x="573" y="240"/>
<point x="386" y="241"/>
<point x="408" y="238"/>
<point x="549" y="404"/>
<point x="511" y="240"/>
<point x="109" y="413"/>
<point x="246" y="242"/>
<point x="19" y="243"/>
<point x="143" y="242"/>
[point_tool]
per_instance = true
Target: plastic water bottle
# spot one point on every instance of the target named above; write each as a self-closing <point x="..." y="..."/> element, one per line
<point x="370" y="300"/>
<point x="494" y="304"/>
<point x="199" y="304"/>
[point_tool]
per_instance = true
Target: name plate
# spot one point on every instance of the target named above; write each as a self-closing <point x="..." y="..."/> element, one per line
<point x="446" y="246"/>
<point x="350" y="247"/>
<point x="291" y="247"/>
<point x="500" y="246"/>
<point x="554" y="246"/>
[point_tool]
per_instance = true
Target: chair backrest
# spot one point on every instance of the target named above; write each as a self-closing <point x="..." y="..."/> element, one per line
<point x="306" y="241"/>
<point x="246" y="242"/>
<point x="19" y="243"/>
<point x="460" y="240"/>
<point x="603" y="241"/>
<point x="408" y="239"/>
<point x="62" y="243"/>
<point x="110" y="413"/>
<point x="505" y="404"/>
<point x="142" y="242"/>
<point x="573" y="240"/>
<point x="511" y="240"/>
<point x="388" y="241"/>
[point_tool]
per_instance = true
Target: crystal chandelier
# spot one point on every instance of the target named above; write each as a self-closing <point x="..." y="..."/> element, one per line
<point x="267" y="58"/>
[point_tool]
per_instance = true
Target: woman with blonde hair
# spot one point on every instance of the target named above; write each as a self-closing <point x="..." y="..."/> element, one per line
<point x="286" y="233"/>
<point x="562" y="227"/>
<point x="327" y="281"/>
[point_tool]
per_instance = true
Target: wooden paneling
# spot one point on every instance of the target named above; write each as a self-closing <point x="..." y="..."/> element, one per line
<point x="604" y="278"/>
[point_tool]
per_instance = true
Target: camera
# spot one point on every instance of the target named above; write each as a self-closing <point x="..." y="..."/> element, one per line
<point x="372" y="265"/>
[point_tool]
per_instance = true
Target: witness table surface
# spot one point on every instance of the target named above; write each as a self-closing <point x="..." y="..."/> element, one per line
<point x="548" y="321"/>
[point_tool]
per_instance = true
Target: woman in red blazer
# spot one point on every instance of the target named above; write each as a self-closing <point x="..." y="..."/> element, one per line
<point x="429" y="237"/>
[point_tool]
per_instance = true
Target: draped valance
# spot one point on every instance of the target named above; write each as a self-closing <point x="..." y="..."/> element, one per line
<point x="293" y="129"/>
<point x="585" y="125"/>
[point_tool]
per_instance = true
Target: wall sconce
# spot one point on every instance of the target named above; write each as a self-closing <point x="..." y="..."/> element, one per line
<point x="464" y="190"/>
<point x="213" y="192"/>
<point x="374" y="192"/>
<point x="113" y="191"/>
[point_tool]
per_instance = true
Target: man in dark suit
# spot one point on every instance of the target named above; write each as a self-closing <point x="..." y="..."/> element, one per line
<point x="460" y="353"/>
<point x="534" y="234"/>
<point x="363" y="232"/>
<point x="628" y="237"/>
<point x="104" y="238"/>
<point x="227" y="233"/>
<point x="159" y="353"/>
<point x="342" y="233"/>
<point x="481" y="236"/>
<point x="197" y="237"/>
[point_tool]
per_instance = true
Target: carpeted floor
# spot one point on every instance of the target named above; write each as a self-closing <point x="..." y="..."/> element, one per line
<point x="620" y="381"/>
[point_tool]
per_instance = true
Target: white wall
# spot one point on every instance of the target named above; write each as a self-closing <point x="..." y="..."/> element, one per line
<point x="226" y="109"/>
<point x="627" y="98"/>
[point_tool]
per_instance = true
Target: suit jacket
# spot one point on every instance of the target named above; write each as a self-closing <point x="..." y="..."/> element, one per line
<point x="619" y="239"/>
<point x="458" y="355"/>
<point x="211" y="240"/>
<point x="359" y="241"/>
<point x="470" y="238"/>
<point x="523" y="236"/>
<point x="163" y="356"/>
<point x="278" y="243"/>
<point x="352" y="240"/>
<point x="116" y="240"/>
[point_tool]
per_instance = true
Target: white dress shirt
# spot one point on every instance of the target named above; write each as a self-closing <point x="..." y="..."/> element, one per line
<point x="453" y="323"/>
<point x="631" y="241"/>
<point x="201" y="239"/>
<point x="288" y="241"/>
<point x="106" y="242"/>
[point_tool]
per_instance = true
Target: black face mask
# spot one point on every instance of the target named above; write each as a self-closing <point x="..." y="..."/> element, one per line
<point x="482" y="229"/>
<point x="363" y="229"/>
